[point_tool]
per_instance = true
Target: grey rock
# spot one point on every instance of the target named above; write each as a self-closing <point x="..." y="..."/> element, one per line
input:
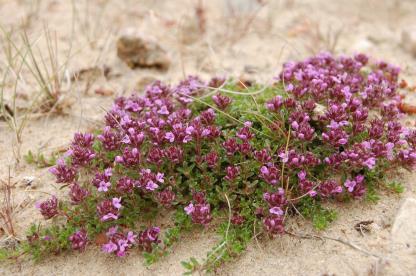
<point x="137" y="51"/>
<point x="409" y="40"/>
<point x="404" y="227"/>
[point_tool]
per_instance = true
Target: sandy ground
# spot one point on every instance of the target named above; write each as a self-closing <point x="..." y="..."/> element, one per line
<point x="242" y="39"/>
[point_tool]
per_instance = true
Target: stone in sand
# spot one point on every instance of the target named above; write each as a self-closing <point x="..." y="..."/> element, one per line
<point x="402" y="260"/>
<point x="409" y="40"/>
<point x="137" y="51"/>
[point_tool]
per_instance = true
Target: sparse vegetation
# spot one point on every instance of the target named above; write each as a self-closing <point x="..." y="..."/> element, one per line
<point x="223" y="155"/>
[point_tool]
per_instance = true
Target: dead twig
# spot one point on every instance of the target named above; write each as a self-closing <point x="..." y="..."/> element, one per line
<point x="347" y="243"/>
<point x="7" y="208"/>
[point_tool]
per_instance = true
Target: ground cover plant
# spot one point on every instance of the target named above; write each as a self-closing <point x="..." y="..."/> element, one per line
<point x="218" y="154"/>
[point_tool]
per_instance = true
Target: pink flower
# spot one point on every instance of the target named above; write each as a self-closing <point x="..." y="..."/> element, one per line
<point x="159" y="177"/>
<point x="103" y="187"/>
<point x="189" y="209"/>
<point x="117" y="202"/>
<point x="276" y="210"/>
<point x="109" y="247"/>
<point x="170" y="137"/>
<point x="151" y="186"/>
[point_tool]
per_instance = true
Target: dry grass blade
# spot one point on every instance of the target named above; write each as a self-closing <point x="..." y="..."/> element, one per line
<point x="7" y="208"/>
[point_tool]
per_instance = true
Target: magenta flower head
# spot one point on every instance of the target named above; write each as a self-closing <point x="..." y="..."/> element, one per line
<point x="125" y="184"/>
<point x="80" y="156"/>
<point x="270" y="174"/>
<point x="131" y="157"/>
<point x="155" y="156"/>
<point x="232" y="172"/>
<point x="276" y="199"/>
<point x="110" y="140"/>
<point x="109" y="209"/>
<point x="212" y="159"/>
<point x="244" y="132"/>
<point x="329" y="188"/>
<point x="356" y="186"/>
<point x="77" y="193"/>
<point x="63" y="173"/>
<point x="274" y="224"/>
<point x="231" y="146"/>
<point x="84" y="140"/>
<point x="148" y="238"/>
<point x="207" y="117"/>
<point x="79" y="240"/>
<point x="174" y="154"/>
<point x="221" y="101"/>
<point x="118" y="242"/>
<point x="275" y="104"/>
<point x="262" y="156"/>
<point x="48" y="208"/>
<point x="102" y="180"/>
<point x="199" y="209"/>
<point x="166" y="197"/>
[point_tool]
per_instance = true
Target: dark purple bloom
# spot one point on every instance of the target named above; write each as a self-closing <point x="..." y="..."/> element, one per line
<point x="355" y="186"/>
<point x="155" y="156"/>
<point x="232" y="172"/>
<point x="329" y="188"/>
<point x="63" y="173"/>
<point x="275" y="104"/>
<point x="166" y="197"/>
<point x="119" y="243"/>
<point x="231" y="146"/>
<point x="408" y="158"/>
<point x="275" y="199"/>
<point x="274" y="224"/>
<point x="336" y="137"/>
<point x="212" y="159"/>
<point x="147" y="238"/>
<point x="270" y="174"/>
<point x="109" y="139"/>
<point x="77" y="194"/>
<point x="102" y="180"/>
<point x="244" y="132"/>
<point x="79" y="240"/>
<point x="207" y="117"/>
<point x="150" y="181"/>
<point x="188" y="88"/>
<point x="262" y="156"/>
<point x="125" y="184"/>
<point x="48" y="208"/>
<point x="131" y="157"/>
<point x="303" y="131"/>
<point x="221" y="101"/>
<point x="80" y="156"/>
<point x="83" y="140"/>
<point x="174" y="154"/>
<point x="394" y="130"/>
<point x="376" y="129"/>
<point x="305" y="185"/>
<point x="109" y="209"/>
<point x="199" y="209"/>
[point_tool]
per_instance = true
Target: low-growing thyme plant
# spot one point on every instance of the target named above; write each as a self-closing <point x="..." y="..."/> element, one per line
<point x="241" y="160"/>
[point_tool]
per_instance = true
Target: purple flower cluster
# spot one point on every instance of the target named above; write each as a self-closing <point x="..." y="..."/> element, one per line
<point x="79" y="240"/>
<point x="337" y="118"/>
<point x="147" y="238"/>
<point x="199" y="210"/>
<point x="48" y="208"/>
<point x="119" y="242"/>
<point x="109" y="209"/>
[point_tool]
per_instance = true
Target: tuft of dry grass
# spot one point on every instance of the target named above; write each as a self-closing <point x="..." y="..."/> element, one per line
<point x="7" y="207"/>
